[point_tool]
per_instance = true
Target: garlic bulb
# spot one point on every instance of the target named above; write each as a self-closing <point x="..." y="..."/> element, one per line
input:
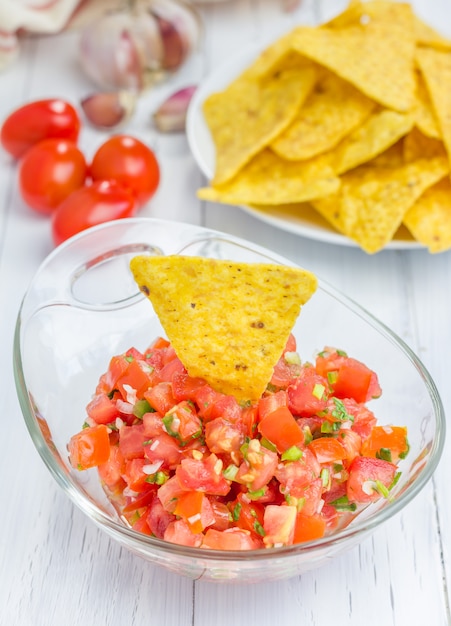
<point x="131" y="49"/>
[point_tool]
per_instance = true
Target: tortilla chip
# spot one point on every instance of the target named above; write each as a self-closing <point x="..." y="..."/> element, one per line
<point x="381" y="11"/>
<point x="372" y="201"/>
<point x="425" y="117"/>
<point x="380" y="131"/>
<point x="269" y="179"/>
<point x="249" y="114"/>
<point x="425" y="35"/>
<point x="419" y="146"/>
<point x="320" y="123"/>
<point x="377" y="58"/>
<point x="429" y="219"/>
<point x="435" y="66"/>
<point x="393" y="157"/>
<point x="227" y="321"/>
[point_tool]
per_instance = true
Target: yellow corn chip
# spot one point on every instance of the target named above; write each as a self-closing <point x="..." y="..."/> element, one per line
<point x="419" y="146"/>
<point x="269" y="179"/>
<point x="377" y="58"/>
<point x="429" y="219"/>
<point x="425" y="117"/>
<point x="380" y="131"/>
<point x="435" y="66"/>
<point x="372" y="201"/>
<point x="249" y="114"/>
<point x="392" y="157"/>
<point x="320" y="123"/>
<point x="227" y="321"/>
<point x="425" y="35"/>
<point x="381" y="11"/>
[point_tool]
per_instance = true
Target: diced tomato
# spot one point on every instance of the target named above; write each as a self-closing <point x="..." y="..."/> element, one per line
<point x="134" y="381"/>
<point x="141" y="525"/>
<point x="131" y="441"/>
<point x="327" y="449"/>
<point x="164" y="448"/>
<point x="284" y="372"/>
<point x="279" y="523"/>
<point x="258" y="467"/>
<point x="230" y="539"/>
<point x="111" y="471"/>
<point x="179" y="532"/>
<point x="90" y="447"/>
<point x="212" y="404"/>
<point x="308" y="394"/>
<point x="141" y="500"/>
<point x="134" y="475"/>
<point x="182" y="422"/>
<point x="158" y="519"/>
<point x="195" y="508"/>
<point x="247" y="515"/>
<point x="271" y="402"/>
<point x="281" y="429"/>
<point x="152" y="425"/>
<point x="160" y="342"/>
<point x="249" y="416"/>
<point x="170" y="369"/>
<point x="295" y="476"/>
<point x="118" y="366"/>
<point x="366" y="476"/>
<point x="221" y="436"/>
<point x="387" y="442"/>
<point x="221" y="513"/>
<point x="351" y="442"/>
<point x="101" y="409"/>
<point x="348" y="377"/>
<point x="310" y="502"/>
<point x="185" y="387"/>
<point x="169" y="493"/>
<point x="160" y="397"/>
<point x="203" y="475"/>
<point x="309" y="527"/>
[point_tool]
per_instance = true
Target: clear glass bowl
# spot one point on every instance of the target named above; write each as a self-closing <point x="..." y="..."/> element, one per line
<point x="83" y="306"/>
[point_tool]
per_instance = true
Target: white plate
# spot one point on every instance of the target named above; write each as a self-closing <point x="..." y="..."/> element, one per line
<point x="308" y="223"/>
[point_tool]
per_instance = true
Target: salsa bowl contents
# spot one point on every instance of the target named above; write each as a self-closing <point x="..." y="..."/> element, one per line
<point x="84" y="309"/>
<point x="188" y="464"/>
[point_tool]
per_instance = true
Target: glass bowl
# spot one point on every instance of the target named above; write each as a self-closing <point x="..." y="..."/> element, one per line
<point x="83" y="306"/>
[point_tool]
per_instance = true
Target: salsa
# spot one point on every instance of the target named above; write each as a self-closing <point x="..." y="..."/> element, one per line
<point x="185" y="463"/>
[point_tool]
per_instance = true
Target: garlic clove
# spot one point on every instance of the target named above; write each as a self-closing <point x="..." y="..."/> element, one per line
<point x="109" y="109"/>
<point x="180" y="29"/>
<point x="171" y="115"/>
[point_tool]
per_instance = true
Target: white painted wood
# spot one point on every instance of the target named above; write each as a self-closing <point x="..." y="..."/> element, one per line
<point x="56" y="567"/>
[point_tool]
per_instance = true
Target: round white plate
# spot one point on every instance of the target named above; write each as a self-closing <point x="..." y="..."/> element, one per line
<point x="306" y="221"/>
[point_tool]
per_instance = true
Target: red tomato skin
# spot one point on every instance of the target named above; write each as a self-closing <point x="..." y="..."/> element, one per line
<point x="49" y="172"/>
<point x="36" y="121"/>
<point x="131" y="163"/>
<point x="103" y="201"/>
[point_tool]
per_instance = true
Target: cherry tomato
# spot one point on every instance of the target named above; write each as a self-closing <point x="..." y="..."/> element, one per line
<point x="49" y="172"/>
<point x="36" y="121"/>
<point x="131" y="163"/>
<point x="91" y="205"/>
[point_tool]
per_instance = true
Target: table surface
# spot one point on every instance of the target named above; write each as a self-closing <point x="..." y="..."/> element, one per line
<point x="56" y="567"/>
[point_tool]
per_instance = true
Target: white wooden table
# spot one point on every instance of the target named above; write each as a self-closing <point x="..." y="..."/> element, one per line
<point x="56" y="568"/>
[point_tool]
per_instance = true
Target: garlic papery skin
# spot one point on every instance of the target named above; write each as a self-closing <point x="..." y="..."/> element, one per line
<point x="109" y="110"/>
<point x="170" y="117"/>
<point x="180" y="29"/>
<point x="132" y="49"/>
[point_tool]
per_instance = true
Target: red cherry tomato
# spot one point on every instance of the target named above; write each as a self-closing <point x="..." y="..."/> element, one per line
<point x="36" y="121"/>
<point x="88" y="206"/>
<point x="49" y="172"/>
<point x="131" y="163"/>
